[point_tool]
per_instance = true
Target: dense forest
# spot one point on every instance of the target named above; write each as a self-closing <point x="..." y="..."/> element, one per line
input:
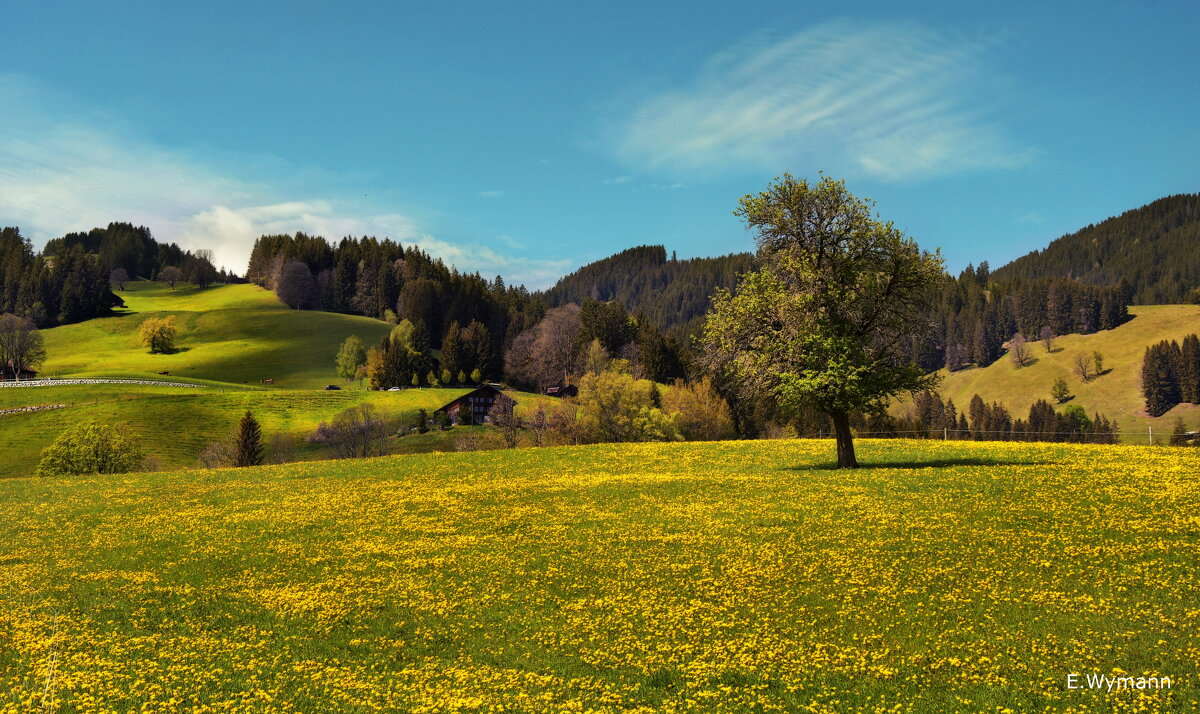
<point x="472" y="323"/>
<point x="123" y="246"/>
<point x="673" y="294"/>
<point x="68" y="286"/>
<point x="1153" y="248"/>
<point x="388" y="281"/>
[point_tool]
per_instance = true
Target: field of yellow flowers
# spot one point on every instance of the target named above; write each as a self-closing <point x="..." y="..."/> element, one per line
<point x="727" y="577"/>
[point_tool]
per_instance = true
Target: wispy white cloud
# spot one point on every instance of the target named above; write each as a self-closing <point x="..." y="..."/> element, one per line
<point x="894" y="102"/>
<point x="66" y="167"/>
<point x="491" y="194"/>
<point x="617" y="180"/>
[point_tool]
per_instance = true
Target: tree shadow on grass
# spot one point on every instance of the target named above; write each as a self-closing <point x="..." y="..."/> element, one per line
<point x="909" y="464"/>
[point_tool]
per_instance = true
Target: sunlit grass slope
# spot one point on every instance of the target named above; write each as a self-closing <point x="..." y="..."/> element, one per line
<point x="724" y="577"/>
<point x="228" y="333"/>
<point x="173" y="424"/>
<point x="1117" y="393"/>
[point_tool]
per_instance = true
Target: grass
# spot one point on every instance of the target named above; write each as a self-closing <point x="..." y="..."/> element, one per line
<point x="174" y="424"/>
<point x="1116" y="394"/>
<point x="724" y="577"/>
<point x="227" y="333"/>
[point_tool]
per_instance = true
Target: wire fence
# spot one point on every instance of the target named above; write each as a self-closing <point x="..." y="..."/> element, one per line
<point x="974" y="434"/>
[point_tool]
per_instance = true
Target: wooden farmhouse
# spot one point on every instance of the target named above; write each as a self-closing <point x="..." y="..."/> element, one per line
<point x="478" y="402"/>
<point x="9" y="374"/>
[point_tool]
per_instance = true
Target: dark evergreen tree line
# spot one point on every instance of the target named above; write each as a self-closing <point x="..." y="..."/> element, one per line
<point x="133" y="249"/>
<point x="672" y="294"/>
<point x="68" y="286"/>
<point x="1152" y="248"/>
<point x="978" y="314"/>
<point x="385" y="280"/>
<point x="933" y="418"/>
<point x="1171" y="374"/>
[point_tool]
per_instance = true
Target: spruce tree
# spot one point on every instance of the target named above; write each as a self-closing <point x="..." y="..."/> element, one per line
<point x="248" y="447"/>
<point x="1160" y="384"/>
<point x="1189" y="371"/>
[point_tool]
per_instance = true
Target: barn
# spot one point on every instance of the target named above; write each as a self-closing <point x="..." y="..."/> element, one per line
<point x="478" y="402"/>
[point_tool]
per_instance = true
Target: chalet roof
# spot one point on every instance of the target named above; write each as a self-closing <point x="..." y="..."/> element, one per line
<point x="484" y="390"/>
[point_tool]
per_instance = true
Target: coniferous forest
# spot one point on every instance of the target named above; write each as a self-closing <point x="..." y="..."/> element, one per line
<point x="1153" y="248"/>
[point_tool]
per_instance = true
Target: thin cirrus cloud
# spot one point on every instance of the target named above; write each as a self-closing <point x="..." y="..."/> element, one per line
<point x="66" y="167"/>
<point x="892" y="102"/>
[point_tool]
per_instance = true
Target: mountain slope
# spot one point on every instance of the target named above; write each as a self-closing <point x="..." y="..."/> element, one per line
<point x="674" y="294"/>
<point x="1156" y="248"/>
<point x="1116" y="394"/>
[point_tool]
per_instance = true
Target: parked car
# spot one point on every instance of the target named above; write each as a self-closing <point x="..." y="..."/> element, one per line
<point x="331" y="387"/>
<point x="394" y="389"/>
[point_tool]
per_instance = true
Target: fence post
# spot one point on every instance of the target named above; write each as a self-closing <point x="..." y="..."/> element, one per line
<point x="945" y="433"/>
<point x="1150" y="430"/>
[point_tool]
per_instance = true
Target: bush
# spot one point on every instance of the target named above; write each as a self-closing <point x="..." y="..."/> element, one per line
<point x="357" y="432"/>
<point x="90" y="448"/>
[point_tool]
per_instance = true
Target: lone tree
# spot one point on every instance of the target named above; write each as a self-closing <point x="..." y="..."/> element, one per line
<point x="248" y="445"/>
<point x="825" y="320"/>
<point x="170" y="275"/>
<point x="21" y="345"/>
<point x="90" y="448"/>
<point x="158" y="333"/>
<point x="1060" y="391"/>
<point x="1047" y="337"/>
<point x="119" y="277"/>
<point x="1082" y="366"/>
<point x="1018" y="349"/>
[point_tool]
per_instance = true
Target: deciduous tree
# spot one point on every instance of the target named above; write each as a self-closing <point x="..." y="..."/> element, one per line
<point x="170" y="275"/>
<point x="21" y="345"/>
<point x="158" y="333"/>
<point x="826" y="320"/>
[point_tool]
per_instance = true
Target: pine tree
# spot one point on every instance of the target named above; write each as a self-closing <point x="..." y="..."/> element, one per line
<point x="1189" y="370"/>
<point x="1160" y="383"/>
<point x="248" y="447"/>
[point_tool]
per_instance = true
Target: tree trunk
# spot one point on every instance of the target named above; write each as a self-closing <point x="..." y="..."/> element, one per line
<point x="845" y="441"/>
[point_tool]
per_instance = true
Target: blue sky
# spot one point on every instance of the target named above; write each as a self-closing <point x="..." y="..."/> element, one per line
<point x="528" y="138"/>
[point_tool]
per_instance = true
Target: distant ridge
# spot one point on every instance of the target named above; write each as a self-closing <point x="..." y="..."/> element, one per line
<point x="672" y="293"/>
<point x="1155" y="248"/>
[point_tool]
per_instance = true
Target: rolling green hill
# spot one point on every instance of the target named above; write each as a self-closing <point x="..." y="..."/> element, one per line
<point x="1116" y="394"/>
<point x="228" y="333"/>
<point x="174" y="424"/>
<point x="701" y="577"/>
<point x="230" y="337"/>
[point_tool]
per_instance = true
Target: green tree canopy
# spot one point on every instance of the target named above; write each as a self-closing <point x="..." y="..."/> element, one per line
<point x="824" y="320"/>
<point x="351" y="356"/>
<point x="90" y="448"/>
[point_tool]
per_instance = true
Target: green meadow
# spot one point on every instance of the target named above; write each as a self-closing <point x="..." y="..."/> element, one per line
<point x="699" y="577"/>
<point x="239" y="334"/>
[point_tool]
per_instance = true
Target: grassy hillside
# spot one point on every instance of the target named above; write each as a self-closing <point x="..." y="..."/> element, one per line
<point x="1117" y="393"/>
<point x="228" y="333"/>
<point x="721" y="577"/>
<point x="175" y="423"/>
